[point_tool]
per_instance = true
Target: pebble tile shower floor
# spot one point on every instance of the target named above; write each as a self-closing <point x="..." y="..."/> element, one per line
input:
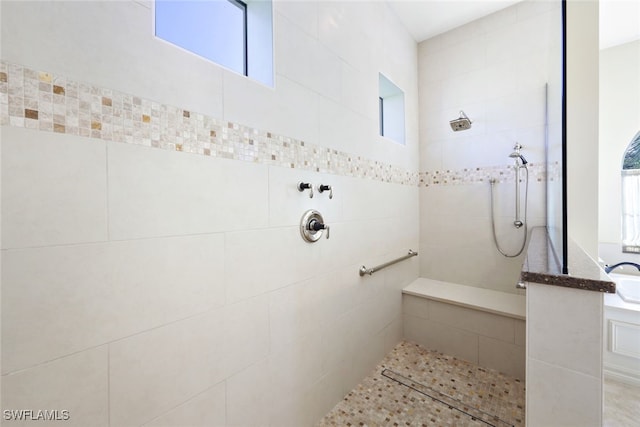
<point x="413" y="386"/>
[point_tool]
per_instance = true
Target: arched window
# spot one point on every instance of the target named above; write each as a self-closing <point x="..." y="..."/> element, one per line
<point x="631" y="197"/>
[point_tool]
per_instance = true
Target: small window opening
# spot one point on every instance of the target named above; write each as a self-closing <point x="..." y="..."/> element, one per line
<point x="233" y="33"/>
<point x="391" y="106"/>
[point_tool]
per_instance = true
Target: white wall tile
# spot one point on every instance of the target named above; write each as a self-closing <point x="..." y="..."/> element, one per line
<point x="78" y="384"/>
<point x="166" y="279"/>
<point x="302" y="13"/>
<point x="441" y="337"/>
<point x="393" y="334"/>
<point x="339" y="30"/>
<point x="155" y="371"/>
<point x="503" y="357"/>
<point x="499" y="19"/>
<point x="415" y="306"/>
<point x="482" y="323"/>
<point x="112" y="37"/>
<point x="50" y="281"/>
<point x="322" y="396"/>
<point x="521" y="333"/>
<point x="93" y="294"/>
<point x="294" y="367"/>
<point x="295" y="112"/>
<point x="362" y="200"/>
<point x="248" y="102"/>
<point x="159" y="193"/>
<point x="348" y="130"/>
<point x="295" y="409"/>
<point x="206" y="409"/>
<point x="246" y="333"/>
<point x="338" y="336"/>
<point x="339" y="291"/>
<point x="359" y="92"/>
<point x="164" y="210"/>
<point x="319" y="68"/>
<point x="570" y="329"/>
<point x="287" y="204"/>
<point x="249" y="395"/>
<point x="255" y="259"/>
<point x="294" y="312"/>
<point x="371" y="350"/>
<point x="562" y="397"/>
<point x="503" y="94"/>
<point x="471" y="31"/>
<point x="53" y="189"/>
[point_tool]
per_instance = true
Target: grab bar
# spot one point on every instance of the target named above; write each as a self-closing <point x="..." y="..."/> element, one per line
<point x="364" y="270"/>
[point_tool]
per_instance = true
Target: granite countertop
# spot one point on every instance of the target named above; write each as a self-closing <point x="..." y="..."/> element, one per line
<point x="541" y="266"/>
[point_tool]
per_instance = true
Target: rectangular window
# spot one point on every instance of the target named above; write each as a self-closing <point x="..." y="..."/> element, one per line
<point x="232" y="33"/>
<point x="391" y="100"/>
<point x="631" y="197"/>
<point x="631" y="210"/>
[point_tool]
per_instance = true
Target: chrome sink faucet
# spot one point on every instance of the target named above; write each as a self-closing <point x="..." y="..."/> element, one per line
<point x="609" y="268"/>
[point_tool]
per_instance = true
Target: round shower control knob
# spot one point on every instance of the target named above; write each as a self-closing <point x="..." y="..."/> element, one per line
<point x="312" y="226"/>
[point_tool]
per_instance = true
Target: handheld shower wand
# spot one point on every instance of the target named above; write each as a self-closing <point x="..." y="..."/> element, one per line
<point x="520" y="163"/>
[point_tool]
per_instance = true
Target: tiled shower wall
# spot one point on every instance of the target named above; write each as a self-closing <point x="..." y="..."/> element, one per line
<point x="495" y="69"/>
<point x="155" y="275"/>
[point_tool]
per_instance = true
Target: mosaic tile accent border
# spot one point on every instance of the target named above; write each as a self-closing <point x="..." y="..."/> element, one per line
<point x="481" y="175"/>
<point x="40" y="100"/>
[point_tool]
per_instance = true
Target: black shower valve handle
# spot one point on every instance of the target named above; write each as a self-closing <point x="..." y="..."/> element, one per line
<point x="316" y="225"/>
<point x="304" y="186"/>
<point x="323" y="187"/>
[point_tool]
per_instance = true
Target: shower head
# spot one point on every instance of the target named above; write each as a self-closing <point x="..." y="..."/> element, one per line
<point x="461" y="123"/>
<point x="517" y="155"/>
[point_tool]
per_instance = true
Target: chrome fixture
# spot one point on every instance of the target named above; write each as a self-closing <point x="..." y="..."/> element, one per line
<point x="519" y="163"/>
<point x="461" y="123"/>
<point x="516" y="154"/>
<point x="305" y="185"/>
<point x="312" y="226"/>
<point x="609" y="268"/>
<point x="322" y="188"/>
<point x="364" y="270"/>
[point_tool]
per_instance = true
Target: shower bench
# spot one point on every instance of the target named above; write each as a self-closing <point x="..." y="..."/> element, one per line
<point x="479" y="325"/>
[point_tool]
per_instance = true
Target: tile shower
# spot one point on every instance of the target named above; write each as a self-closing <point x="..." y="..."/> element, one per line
<point x="152" y="268"/>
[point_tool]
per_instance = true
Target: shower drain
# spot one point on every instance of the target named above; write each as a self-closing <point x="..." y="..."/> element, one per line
<point x="451" y="402"/>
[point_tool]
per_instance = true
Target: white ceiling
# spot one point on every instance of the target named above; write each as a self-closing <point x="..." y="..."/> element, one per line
<point x="619" y="19"/>
<point x="619" y="22"/>
<point x="427" y="18"/>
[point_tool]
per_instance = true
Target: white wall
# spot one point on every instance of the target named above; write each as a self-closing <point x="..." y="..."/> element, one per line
<point x="564" y="356"/>
<point x="495" y="69"/>
<point x="582" y="125"/>
<point x="619" y="121"/>
<point x="144" y="285"/>
<point x="564" y="372"/>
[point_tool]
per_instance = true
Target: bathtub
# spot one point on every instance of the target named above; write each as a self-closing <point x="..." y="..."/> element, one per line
<point x="621" y="356"/>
